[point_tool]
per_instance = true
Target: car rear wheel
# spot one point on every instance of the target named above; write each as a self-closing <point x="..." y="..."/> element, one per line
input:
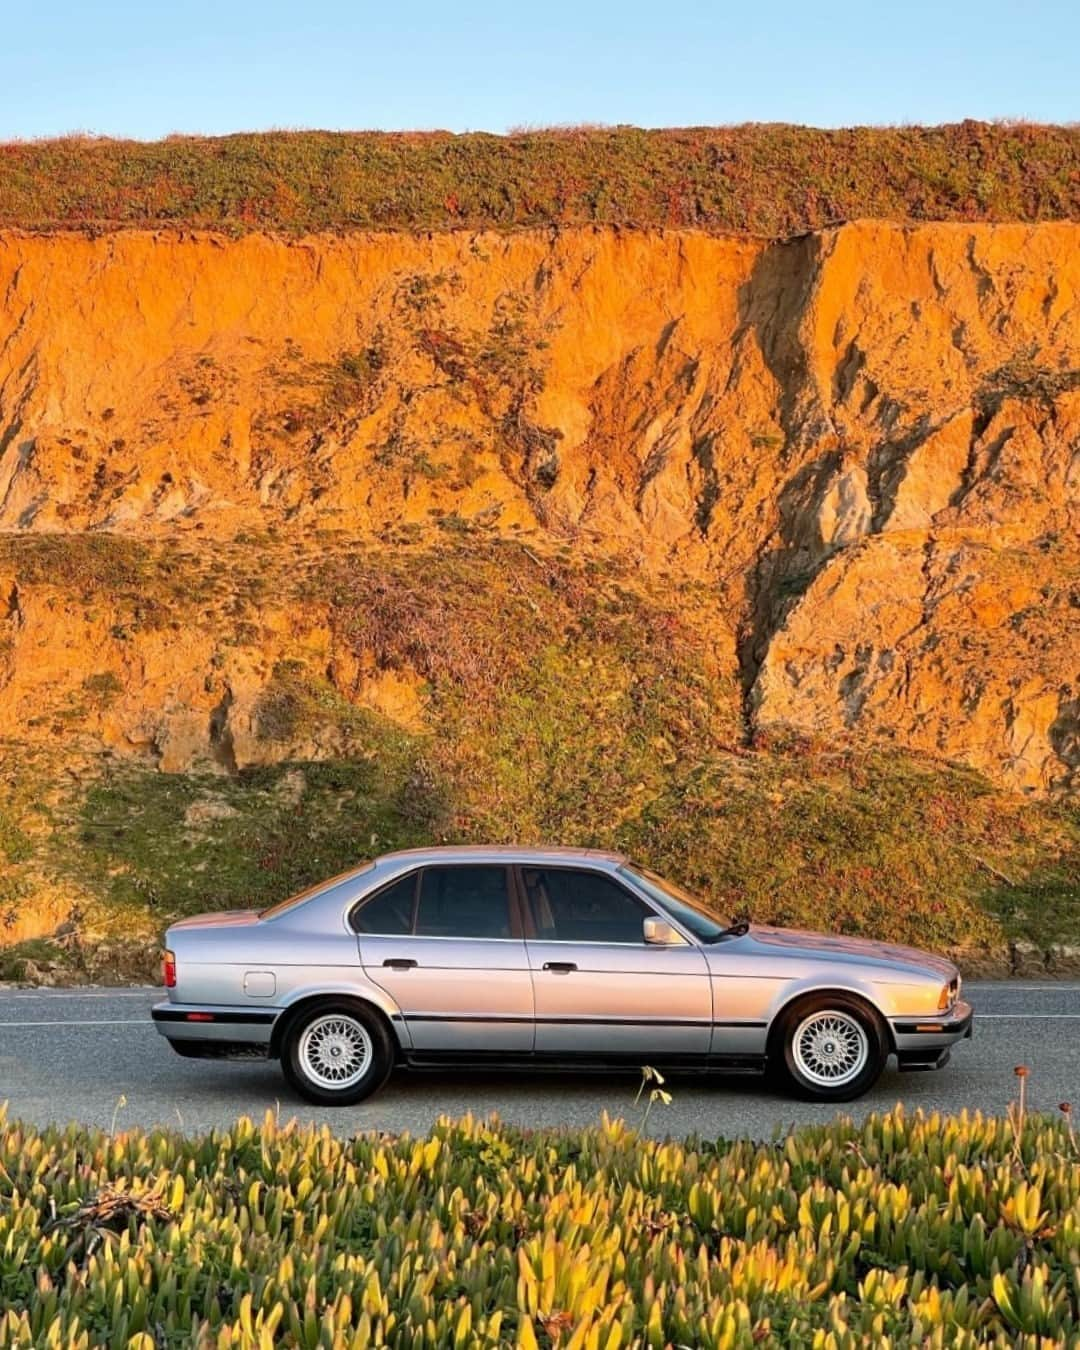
<point x="831" y="1048"/>
<point x="337" y="1053"/>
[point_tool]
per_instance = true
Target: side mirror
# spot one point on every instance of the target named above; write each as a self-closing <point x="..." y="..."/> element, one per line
<point x="659" y="933"/>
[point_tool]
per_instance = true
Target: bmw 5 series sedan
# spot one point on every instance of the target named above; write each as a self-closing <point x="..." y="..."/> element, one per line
<point x="567" y="959"/>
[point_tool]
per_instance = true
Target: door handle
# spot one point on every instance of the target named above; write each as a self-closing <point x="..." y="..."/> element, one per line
<point x="560" y="967"/>
<point x="400" y="963"/>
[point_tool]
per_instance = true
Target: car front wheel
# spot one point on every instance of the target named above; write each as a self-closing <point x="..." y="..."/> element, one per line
<point x="336" y="1054"/>
<point x="831" y="1048"/>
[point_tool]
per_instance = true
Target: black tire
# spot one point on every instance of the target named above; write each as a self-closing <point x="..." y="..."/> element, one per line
<point x="344" y="1028"/>
<point x="860" y="1035"/>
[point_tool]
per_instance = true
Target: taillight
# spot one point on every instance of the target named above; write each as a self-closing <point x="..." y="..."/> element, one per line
<point x="168" y="969"/>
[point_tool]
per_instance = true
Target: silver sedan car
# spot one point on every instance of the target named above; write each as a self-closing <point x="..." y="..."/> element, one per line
<point x="554" y="958"/>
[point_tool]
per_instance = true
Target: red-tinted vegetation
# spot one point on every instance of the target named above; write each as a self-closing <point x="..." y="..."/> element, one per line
<point x="772" y="179"/>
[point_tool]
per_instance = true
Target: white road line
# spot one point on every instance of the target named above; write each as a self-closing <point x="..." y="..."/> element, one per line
<point x="95" y="1022"/>
<point x="111" y="993"/>
<point x="1006" y="987"/>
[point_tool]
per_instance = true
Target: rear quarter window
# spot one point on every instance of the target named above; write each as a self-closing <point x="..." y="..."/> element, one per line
<point x="389" y="911"/>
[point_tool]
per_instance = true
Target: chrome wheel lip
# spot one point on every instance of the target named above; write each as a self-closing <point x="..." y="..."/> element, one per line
<point x="336" y="1051"/>
<point x="830" y="1048"/>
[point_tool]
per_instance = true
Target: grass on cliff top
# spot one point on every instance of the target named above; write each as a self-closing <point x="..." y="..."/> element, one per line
<point x="767" y="179"/>
<point x="903" y="1231"/>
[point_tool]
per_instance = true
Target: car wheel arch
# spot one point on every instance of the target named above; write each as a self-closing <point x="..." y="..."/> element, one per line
<point x="328" y="998"/>
<point x="823" y="992"/>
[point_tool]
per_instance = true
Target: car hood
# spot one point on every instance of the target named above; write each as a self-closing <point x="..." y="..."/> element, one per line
<point x="230" y="918"/>
<point x="803" y="942"/>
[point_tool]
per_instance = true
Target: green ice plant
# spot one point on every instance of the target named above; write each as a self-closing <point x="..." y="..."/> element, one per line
<point x="902" y="1230"/>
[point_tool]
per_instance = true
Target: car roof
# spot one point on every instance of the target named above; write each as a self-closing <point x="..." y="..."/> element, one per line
<point x="501" y="853"/>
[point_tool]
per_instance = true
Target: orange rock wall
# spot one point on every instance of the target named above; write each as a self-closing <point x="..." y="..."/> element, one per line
<point x="865" y="440"/>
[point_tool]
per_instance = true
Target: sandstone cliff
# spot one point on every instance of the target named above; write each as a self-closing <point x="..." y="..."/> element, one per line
<point x="864" y="442"/>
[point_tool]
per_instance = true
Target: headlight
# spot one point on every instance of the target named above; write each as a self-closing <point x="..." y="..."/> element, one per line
<point x="949" y="994"/>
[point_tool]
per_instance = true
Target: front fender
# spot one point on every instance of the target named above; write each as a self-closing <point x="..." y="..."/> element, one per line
<point x="866" y="990"/>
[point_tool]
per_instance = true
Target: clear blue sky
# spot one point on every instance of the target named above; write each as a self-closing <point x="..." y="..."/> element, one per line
<point x="160" y="66"/>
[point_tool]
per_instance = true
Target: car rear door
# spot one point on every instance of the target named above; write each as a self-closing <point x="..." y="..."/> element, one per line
<point x="445" y="942"/>
<point x="599" y="988"/>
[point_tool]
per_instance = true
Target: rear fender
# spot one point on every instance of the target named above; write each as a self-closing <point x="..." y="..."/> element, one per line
<point x="355" y="987"/>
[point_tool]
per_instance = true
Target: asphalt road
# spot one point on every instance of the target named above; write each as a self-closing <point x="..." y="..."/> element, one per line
<point x="93" y="1055"/>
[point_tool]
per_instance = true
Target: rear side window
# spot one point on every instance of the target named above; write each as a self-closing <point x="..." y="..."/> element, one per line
<point x="570" y="906"/>
<point x="469" y="902"/>
<point x="462" y="902"/>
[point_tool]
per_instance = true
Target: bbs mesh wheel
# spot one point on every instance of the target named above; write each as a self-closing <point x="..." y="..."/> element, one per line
<point x="830" y="1047"/>
<point x="335" y="1053"/>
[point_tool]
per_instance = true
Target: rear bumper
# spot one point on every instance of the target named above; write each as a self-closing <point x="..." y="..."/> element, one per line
<point x="207" y="1023"/>
<point x="918" y="1039"/>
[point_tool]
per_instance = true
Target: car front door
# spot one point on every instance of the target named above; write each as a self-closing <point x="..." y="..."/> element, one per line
<point x="445" y="943"/>
<point x="599" y="988"/>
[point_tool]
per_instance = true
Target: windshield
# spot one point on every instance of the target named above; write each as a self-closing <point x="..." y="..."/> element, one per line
<point x="282" y="906"/>
<point x="683" y="907"/>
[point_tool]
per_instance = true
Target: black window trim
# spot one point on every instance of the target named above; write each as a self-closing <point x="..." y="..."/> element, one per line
<point x="615" y="878"/>
<point x="515" y="906"/>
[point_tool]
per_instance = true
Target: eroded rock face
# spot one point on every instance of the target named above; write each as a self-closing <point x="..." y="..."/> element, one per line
<point x="961" y="647"/>
<point x="865" y="440"/>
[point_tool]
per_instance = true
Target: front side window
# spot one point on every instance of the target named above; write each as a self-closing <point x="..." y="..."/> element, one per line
<point x="582" y="906"/>
<point x="461" y="902"/>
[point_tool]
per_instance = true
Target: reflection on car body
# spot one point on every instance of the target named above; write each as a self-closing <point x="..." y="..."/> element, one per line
<point x="558" y="958"/>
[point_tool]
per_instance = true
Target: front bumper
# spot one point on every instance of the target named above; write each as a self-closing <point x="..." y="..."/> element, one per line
<point x="920" y="1041"/>
<point x="206" y="1022"/>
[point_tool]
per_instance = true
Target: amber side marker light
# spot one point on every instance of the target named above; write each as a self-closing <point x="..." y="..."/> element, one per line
<point x="168" y="969"/>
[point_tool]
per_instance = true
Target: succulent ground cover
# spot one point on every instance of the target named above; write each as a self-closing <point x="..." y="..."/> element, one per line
<point x="905" y="1230"/>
